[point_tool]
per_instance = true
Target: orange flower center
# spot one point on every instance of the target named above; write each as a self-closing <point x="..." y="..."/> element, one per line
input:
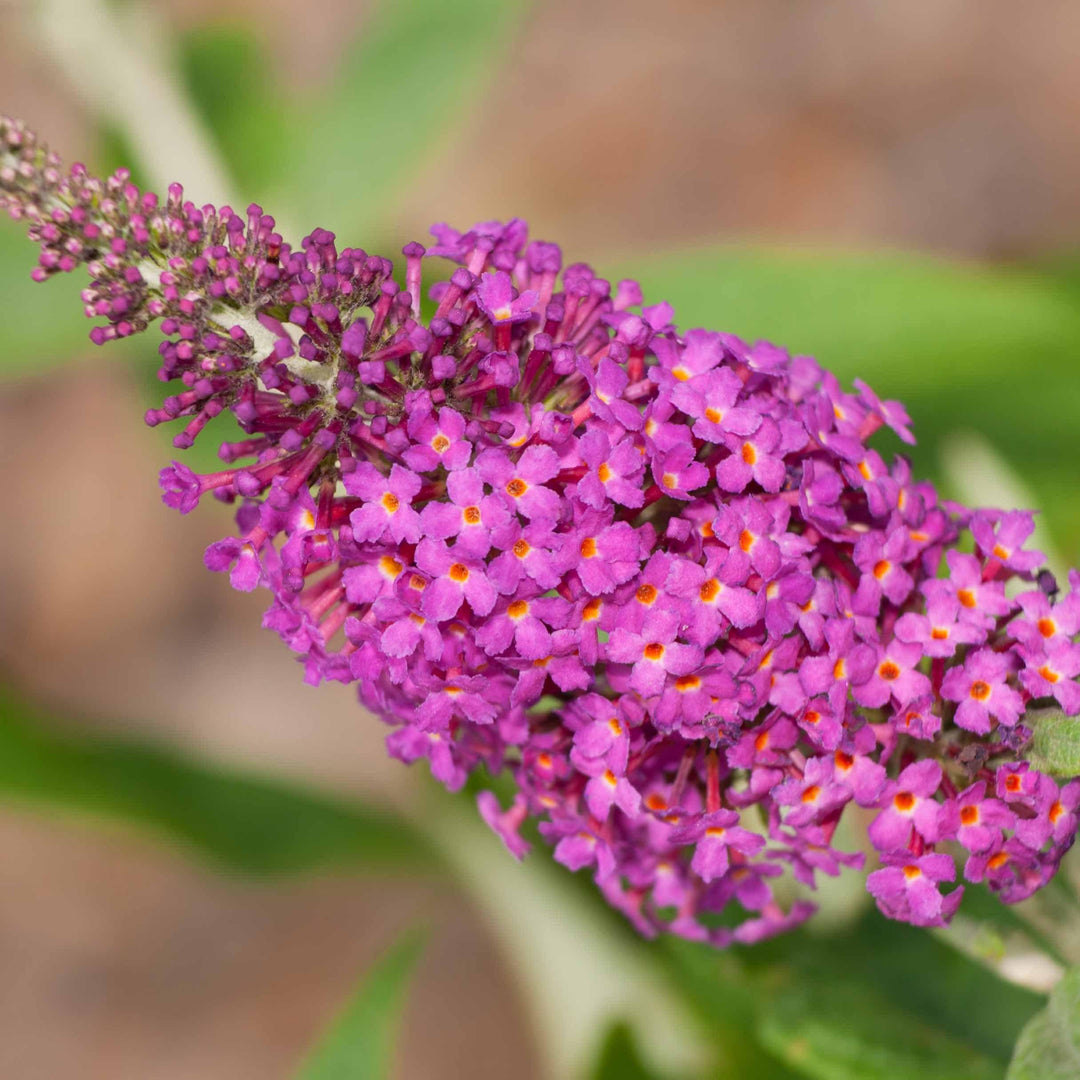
<point x="517" y="609"/>
<point x="811" y="793"/>
<point x="1049" y="674"/>
<point x="390" y="502"/>
<point x="966" y="597"/>
<point x="1012" y="782"/>
<point x="604" y="473"/>
<point x="714" y="416"/>
<point x="844" y="760"/>
<point x="881" y="568"/>
<point x="654" y="650"/>
<point x="592" y="608"/>
<point x="746" y="540"/>
<point x="969" y="815"/>
<point x="588" y="547"/>
<point x="517" y="487"/>
<point x="440" y="443"/>
<point x="889" y="671"/>
<point x="912" y="872"/>
<point x="749" y="454"/>
<point x="459" y="572"/>
<point x="646" y="593"/>
<point x="1047" y="627"/>
<point x="389" y="566"/>
<point x="471" y="514"/>
<point x="980" y="691"/>
<point x="939" y="633"/>
<point x="687" y="682"/>
<point x="708" y="592"/>
<point x="903" y="801"/>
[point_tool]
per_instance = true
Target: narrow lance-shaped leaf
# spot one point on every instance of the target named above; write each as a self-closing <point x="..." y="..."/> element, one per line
<point x="361" y="1041"/>
<point x="404" y="88"/>
<point x="243" y="822"/>
<point x="619" y="1058"/>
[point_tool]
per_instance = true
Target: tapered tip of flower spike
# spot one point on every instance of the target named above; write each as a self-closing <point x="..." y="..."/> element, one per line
<point x="659" y="578"/>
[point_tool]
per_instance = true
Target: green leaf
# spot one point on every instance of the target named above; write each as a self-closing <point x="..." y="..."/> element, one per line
<point x="360" y="1044"/>
<point x="402" y="91"/>
<point x="619" y="1058"/>
<point x="230" y="82"/>
<point x="44" y="322"/>
<point x="1055" y="742"/>
<point x="242" y="822"/>
<point x="878" y="998"/>
<point x="1049" y="1046"/>
<point x="848" y="1032"/>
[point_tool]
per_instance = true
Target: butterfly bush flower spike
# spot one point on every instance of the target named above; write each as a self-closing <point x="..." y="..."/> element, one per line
<point x="659" y="578"/>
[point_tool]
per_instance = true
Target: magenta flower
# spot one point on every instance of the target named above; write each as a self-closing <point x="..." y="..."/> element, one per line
<point x="387" y="506"/>
<point x="907" y="804"/>
<point x="1004" y="543"/>
<point x="938" y="633"/>
<point x="614" y="471"/>
<point x="974" y="820"/>
<point x="521" y="484"/>
<point x="1051" y="672"/>
<point x="715" y="836"/>
<point x="470" y="515"/>
<point x="981" y="688"/>
<point x="654" y="653"/>
<point x="908" y="888"/>
<point x="660" y="578"/>
<point x="500" y="301"/>
<point x="455" y="580"/>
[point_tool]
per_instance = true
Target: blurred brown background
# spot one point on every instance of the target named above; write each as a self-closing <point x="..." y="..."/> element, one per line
<point x="617" y="125"/>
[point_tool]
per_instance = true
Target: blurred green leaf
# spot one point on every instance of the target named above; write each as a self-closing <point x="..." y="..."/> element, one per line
<point x="360" y="1044"/>
<point x="619" y="1058"/>
<point x="844" y="1031"/>
<point x="243" y="822"/>
<point x="991" y="350"/>
<point x="876" y="996"/>
<point x="44" y="323"/>
<point x="1049" y="1046"/>
<point x="1055" y="742"/>
<point x="401" y="93"/>
<point x="230" y="81"/>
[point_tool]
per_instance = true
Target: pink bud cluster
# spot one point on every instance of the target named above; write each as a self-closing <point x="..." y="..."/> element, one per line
<point x="661" y="579"/>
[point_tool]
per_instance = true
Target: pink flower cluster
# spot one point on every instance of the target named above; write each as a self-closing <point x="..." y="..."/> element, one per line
<point x="659" y="578"/>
